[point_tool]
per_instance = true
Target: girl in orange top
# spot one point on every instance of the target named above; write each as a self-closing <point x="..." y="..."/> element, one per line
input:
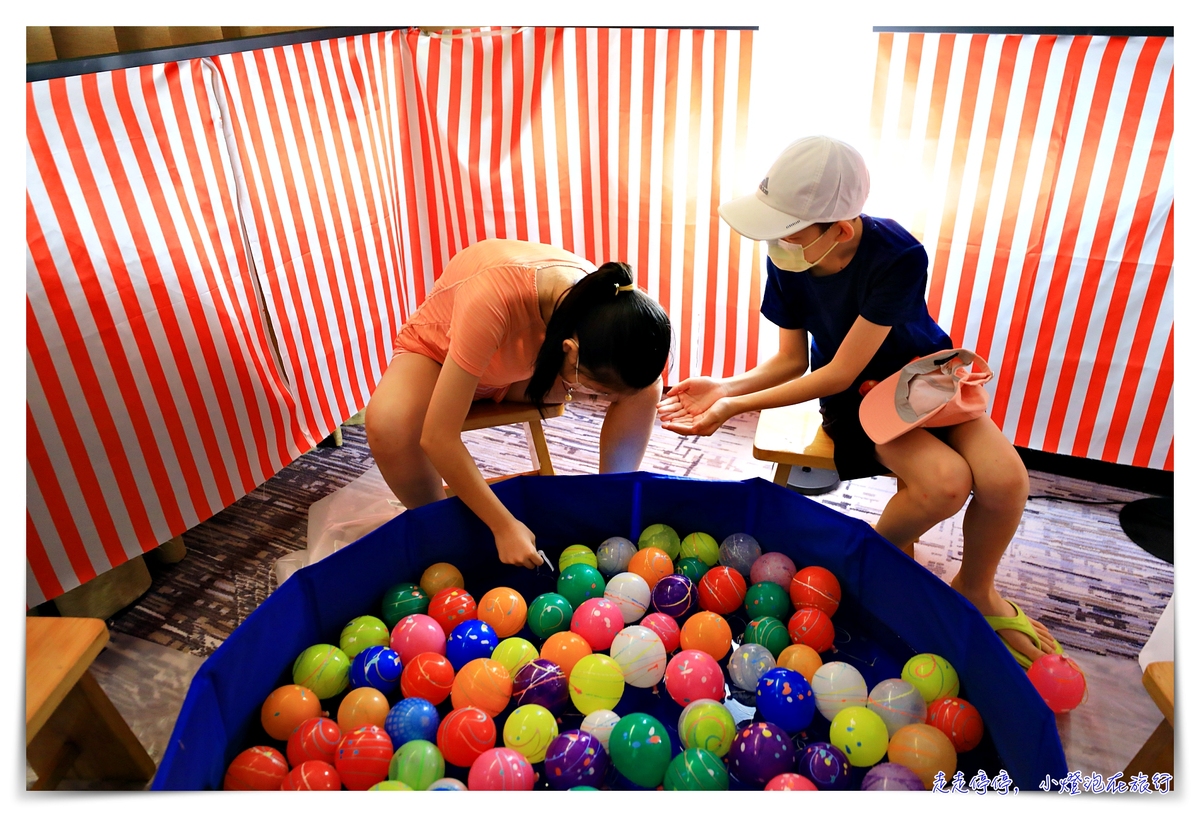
<point x="515" y="320"/>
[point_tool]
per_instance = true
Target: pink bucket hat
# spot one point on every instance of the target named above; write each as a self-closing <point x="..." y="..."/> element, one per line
<point x="941" y="389"/>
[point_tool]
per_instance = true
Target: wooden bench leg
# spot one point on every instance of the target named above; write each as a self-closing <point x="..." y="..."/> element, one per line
<point x="1157" y="753"/>
<point x="538" y="451"/>
<point x="782" y="472"/>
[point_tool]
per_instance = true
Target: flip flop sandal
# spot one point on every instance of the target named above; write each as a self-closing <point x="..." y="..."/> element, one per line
<point x="1020" y="623"/>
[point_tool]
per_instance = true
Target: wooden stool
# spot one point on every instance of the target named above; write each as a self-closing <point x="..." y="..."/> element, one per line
<point x="70" y="724"/>
<point x="486" y="414"/>
<point x="1158" y="752"/>
<point x="792" y="436"/>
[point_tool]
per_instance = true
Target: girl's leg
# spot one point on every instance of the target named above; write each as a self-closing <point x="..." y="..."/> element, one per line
<point x="394" y="417"/>
<point x="936" y="483"/>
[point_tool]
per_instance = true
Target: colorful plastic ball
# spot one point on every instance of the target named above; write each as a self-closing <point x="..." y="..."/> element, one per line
<point x="692" y="676"/>
<point x="640" y="749"/>
<point x="541" y="682"/>
<point x="600" y="722"/>
<point x="259" y="768"/>
<point x="362" y="757"/>
<point x="583" y="788"/>
<point x="860" y="734"/>
<point x="529" y="729"/>
<point x="576" y="555"/>
<point x="826" y="766"/>
<point x="365" y="706"/>
<point x="739" y="551"/>
<point x="416" y="634"/>
<point x="816" y="587"/>
<point x="504" y="610"/>
<point x="440" y="576"/>
<point x="748" y="663"/>
<point x="428" y="675"/>
<point x="777" y="568"/>
<point x="662" y="537"/>
<point x="651" y="564"/>
<point x="630" y="593"/>
<point x="575" y="758"/>
<point x="315" y="739"/>
<point x="790" y="781"/>
<point x="959" y="720"/>
<point x="411" y="719"/>
<point x="722" y="590"/>
<point x="924" y="750"/>
<point x="597" y="621"/>
<point x="707" y="632"/>
<point x="760" y="751"/>
<point x="286" y="708"/>
<point x="666" y="628"/>
<point x="613" y="555"/>
<point x="932" y="675"/>
<point x="640" y="653"/>
<point x="390" y="785"/>
<point x="376" y="667"/>
<point x="802" y="658"/>
<point x="596" y="682"/>
<point x="811" y="627"/>
<point x="707" y="725"/>
<point x="322" y="668"/>
<point x="549" y="613"/>
<point x="769" y="632"/>
<point x="403" y="600"/>
<point x="483" y="683"/>
<point x="767" y="599"/>
<point x="565" y="649"/>
<point x="691" y="567"/>
<point x="469" y="640"/>
<point x="1059" y="681"/>
<point x="580" y="582"/>
<point x="891" y="777"/>
<point x="451" y="606"/>
<point x="417" y="764"/>
<point x="465" y="734"/>
<point x="700" y="546"/>
<point x="501" y="769"/>
<point x="784" y="698"/>
<point x="897" y="703"/>
<point x="312" y="775"/>
<point x="696" y="770"/>
<point x="674" y="595"/>
<point x="838" y="685"/>
<point x="447" y="784"/>
<point x="363" y="632"/>
<point x="514" y="653"/>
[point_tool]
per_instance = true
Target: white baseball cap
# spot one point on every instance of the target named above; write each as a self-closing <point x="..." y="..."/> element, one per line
<point x="815" y="180"/>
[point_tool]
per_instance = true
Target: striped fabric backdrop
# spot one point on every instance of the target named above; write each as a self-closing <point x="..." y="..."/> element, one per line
<point x="1037" y="170"/>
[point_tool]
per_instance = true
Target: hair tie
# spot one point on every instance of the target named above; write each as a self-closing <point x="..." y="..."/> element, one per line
<point x="625" y="288"/>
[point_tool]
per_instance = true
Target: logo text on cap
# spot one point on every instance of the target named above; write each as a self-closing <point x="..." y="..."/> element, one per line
<point x="763" y="185"/>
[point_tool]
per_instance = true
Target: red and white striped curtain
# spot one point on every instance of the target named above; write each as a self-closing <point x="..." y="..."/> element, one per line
<point x="1037" y="170"/>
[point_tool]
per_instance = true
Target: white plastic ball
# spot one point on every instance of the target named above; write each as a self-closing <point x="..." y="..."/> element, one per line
<point x="630" y="593"/>
<point x="600" y="723"/>
<point x="613" y="555"/>
<point x="641" y="654"/>
<point x="447" y="784"/>
<point x="739" y="551"/>
<point x="837" y="685"/>
<point x="748" y="663"/>
<point x="897" y="703"/>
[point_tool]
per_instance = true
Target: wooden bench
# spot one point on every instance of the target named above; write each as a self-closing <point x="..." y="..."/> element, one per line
<point x="486" y="414"/>
<point x="1158" y="752"/>
<point x="792" y="437"/>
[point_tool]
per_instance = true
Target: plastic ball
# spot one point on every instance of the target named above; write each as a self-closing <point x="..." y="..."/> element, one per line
<point x="580" y="582"/>
<point x="691" y="567"/>
<point x="674" y="595"/>
<point x="417" y="764"/>
<point x="286" y="708"/>
<point x="651" y="564"/>
<point x="666" y="628"/>
<point x="565" y="649"/>
<point x="323" y="669"/>
<point x="630" y="593"/>
<point x="416" y="634"/>
<point x="549" y="613"/>
<point x="483" y="683"/>
<point x="958" y="720"/>
<point x="465" y="734"/>
<point x="439" y="577"/>
<point x="784" y="698"/>
<point x="897" y="703"/>
<point x="707" y="725"/>
<point x="576" y="555"/>
<point x="451" y="606"/>
<point x="504" y="610"/>
<point x="692" y="676"/>
<point x="1059" y="681"/>
<point x="891" y="777"/>
<point x="774" y="567"/>
<point x="376" y="667"/>
<point x="790" y="781"/>
<point x="802" y="658"/>
<point x="529" y="729"/>
<point x="362" y="757"/>
<point x="748" y="663"/>
<point x="428" y="675"/>
<point x="365" y="706"/>
<point x="641" y="655"/>
<point x="501" y="769"/>
<point x="469" y="640"/>
<point x="739" y="551"/>
<point x="312" y="775"/>
<point x="838" y="685"/>
<point x="811" y="627"/>
<point x="696" y="770"/>
<point x="447" y="784"/>
<point x="640" y="749"/>
<point x="411" y="719"/>
<point x="514" y="653"/>
<point x="767" y="599"/>
<point x="932" y="675"/>
<point x="722" y="590"/>
<point x="403" y="600"/>
<point x="923" y="749"/>
<point x="259" y="768"/>
<point x="707" y="632"/>
<point x="574" y="758"/>
<point x="363" y="632"/>
<point x="390" y="785"/>
<point x="597" y="621"/>
<point x="662" y="537"/>
<point x="596" y="682"/>
<point x="816" y="587"/>
<point x="700" y="546"/>
<point x="760" y="751"/>
<point x="769" y="632"/>
<point x="860" y="734"/>
<point x="613" y="555"/>
<point x="600" y="722"/>
<point x="826" y="766"/>
<point x="315" y="739"/>
<point x="541" y="682"/>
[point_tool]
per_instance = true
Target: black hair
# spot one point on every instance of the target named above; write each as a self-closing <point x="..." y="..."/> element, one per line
<point x="624" y="335"/>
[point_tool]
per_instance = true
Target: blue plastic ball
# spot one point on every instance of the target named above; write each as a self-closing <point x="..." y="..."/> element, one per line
<point x="412" y="719"/>
<point x="377" y="667"/>
<point x="470" y="640"/>
<point x="785" y="698"/>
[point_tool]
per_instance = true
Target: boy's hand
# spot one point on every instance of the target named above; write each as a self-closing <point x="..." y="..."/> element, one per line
<point x="515" y="545"/>
<point x="689" y="399"/>
<point x="704" y="423"/>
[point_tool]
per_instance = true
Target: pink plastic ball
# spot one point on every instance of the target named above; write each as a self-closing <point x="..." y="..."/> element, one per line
<point x="597" y="621"/>
<point x="773" y="567"/>
<point x="416" y="634"/>
<point x="666" y="628"/>
<point x="501" y="769"/>
<point x="1059" y="681"/>
<point x="790" y="781"/>
<point x="692" y="676"/>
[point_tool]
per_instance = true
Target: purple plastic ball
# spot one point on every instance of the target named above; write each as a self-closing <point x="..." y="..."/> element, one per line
<point x="575" y="758"/>
<point x="674" y="595"/>
<point x="773" y="567"/>
<point x="826" y="766"/>
<point x="469" y="640"/>
<point x="891" y="777"/>
<point x="541" y="682"/>
<point x="761" y="751"/>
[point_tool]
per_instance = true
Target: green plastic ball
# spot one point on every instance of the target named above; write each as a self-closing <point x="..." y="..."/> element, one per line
<point x="390" y="785"/>
<point x="707" y="725"/>
<point x="768" y="599"/>
<point x="769" y="632"/>
<point x="576" y="555"/>
<point x="580" y="582"/>
<point x="403" y="600"/>
<point x="696" y="770"/>
<point x="702" y="546"/>
<point x="640" y="748"/>
<point x="932" y="675"/>
<point x="514" y="653"/>
<point x="691" y="567"/>
<point x="363" y="632"/>
<point x="583" y="788"/>
<point x="662" y="537"/>
<point x="322" y="668"/>
<point x="549" y="613"/>
<point x="861" y="734"/>
<point x="417" y="764"/>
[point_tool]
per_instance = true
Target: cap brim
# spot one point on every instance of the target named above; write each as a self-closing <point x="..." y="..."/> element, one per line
<point x="877" y="412"/>
<point x="750" y="217"/>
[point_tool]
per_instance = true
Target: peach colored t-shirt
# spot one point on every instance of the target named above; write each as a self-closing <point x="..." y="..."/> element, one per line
<point x="483" y="312"/>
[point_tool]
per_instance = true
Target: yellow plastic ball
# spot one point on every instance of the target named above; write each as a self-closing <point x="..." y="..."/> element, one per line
<point x="596" y="682"/>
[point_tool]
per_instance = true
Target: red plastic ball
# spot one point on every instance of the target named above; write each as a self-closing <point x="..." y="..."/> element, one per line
<point x="811" y="627"/>
<point x="315" y="739"/>
<point x="597" y="621"/>
<point x="722" y="590"/>
<point x="428" y="675"/>
<point x="692" y="676"/>
<point x="816" y="587"/>
<point x="465" y="734"/>
<point x="666" y="628"/>
<point x="790" y="781"/>
<point x="958" y="720"/>
<point x="1059" y="681"/>
<point x="312" y="775"/>
<point x="259" y="768"/>
<point x="451" y="607"/>
<point x="363" y="757"/>
<point x="416" y="634"/>
<point x="501" y="769"/>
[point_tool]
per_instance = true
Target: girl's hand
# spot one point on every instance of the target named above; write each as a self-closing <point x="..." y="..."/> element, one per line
<point x="690" y="398"/>
<point x="703" y="423"/>
<point x="515" y="545"/>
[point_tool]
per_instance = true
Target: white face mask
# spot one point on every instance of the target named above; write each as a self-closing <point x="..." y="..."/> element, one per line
<point x="790" y="257"/>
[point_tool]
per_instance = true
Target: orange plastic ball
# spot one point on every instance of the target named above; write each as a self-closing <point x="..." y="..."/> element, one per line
<point x="959" y="720"/>
<point x="651" y="564"/>
<point x="482" y="683"/>
<point x="801" y="658"/>
<point x="503" y="609"/>
<point x="925" y="750"/>
<point x="565" y="649"/>
<point x="813" y="627"/>
<point x="707" y="632"/>
<point x="721" y="590"/>
<point x="365" y="706"/>
<point x="440" y="576"/>
<point x="451" y="607"/>
<point x="286" y="708"/>
<point x="816" y="587"/>
<point x="259" y="768"/>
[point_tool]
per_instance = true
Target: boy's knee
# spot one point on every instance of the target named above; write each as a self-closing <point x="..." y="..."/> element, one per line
<point x="1007" y="485"/>
<point x="947" y="490"/>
